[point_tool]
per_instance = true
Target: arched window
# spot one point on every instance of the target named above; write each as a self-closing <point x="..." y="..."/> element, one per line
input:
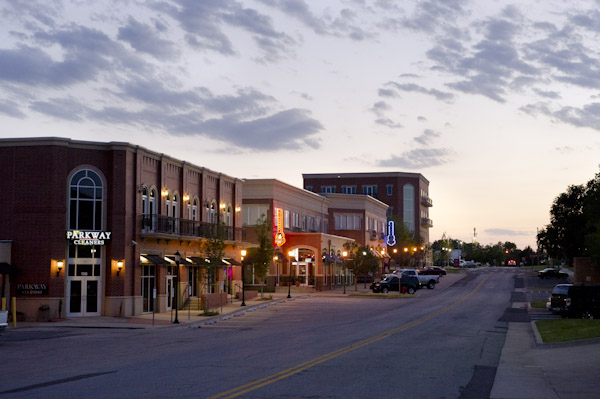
<point x="195" y="209"/>
<point x="408" y="217"/>
<point x="168" y="204"/>
<point x="145" y="208"/>
<point x="85" y="201"/>
<point x="228" y="216"/>
<point x="207" y="212"/>
<point x="213" y="212"/>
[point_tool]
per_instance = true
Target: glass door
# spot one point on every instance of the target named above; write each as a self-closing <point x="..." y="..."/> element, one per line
<point x="84" y="298"/>
<point x="170" y="288"/>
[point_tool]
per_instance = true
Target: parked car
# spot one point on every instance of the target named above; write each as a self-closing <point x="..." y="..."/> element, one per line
<point x="390" y="283"/>
<point x="433" y="270"/>
<point x="3" y="319"/>
<point x="428" y="281"/>
<point x="570" y="300"/>
<point x="552" y="273"/>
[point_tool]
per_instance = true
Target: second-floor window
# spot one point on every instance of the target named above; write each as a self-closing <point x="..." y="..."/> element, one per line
<point x="327" y="189"/>
<point x="370" y="190"/>
<point x="349" y="189"/>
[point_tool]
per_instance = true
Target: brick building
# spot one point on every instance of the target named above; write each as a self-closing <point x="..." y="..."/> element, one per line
<point x="406" y="194"/>
<point x="105" y="228"/>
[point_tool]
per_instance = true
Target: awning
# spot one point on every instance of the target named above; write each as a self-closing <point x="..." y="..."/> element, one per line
<point x="183" y="261"/>
<point x="232" y="262"/>
<point x="375" y="253"/>
<point x="280" y="256"/>
<point x="337" y="259"/>
<point x="5" y="268"/>
<point x="199" y="261"/>
<point x="156" y="259"/>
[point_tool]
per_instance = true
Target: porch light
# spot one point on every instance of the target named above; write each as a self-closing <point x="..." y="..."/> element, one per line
<point x="164" y="192"/>
<point x="119" y="266"/>
<point x="186" y="197"/>
<point x="238" y="209"/>
<point x="222" y="206"/>
<point x="59" y="266"/>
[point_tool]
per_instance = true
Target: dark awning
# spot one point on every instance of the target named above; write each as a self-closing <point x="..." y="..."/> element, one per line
<point x="156" y="259"/>
<point x="5" y="268"/>
<point x="183" y="261"/>
<point x="232" y="262"/>
<point x="199" y="261"/>
<point x="280" y="256"/>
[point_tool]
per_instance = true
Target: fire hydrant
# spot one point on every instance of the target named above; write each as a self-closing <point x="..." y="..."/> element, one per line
<point x="404" y="290"/>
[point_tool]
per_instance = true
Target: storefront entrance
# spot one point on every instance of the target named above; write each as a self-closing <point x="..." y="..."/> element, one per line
<point x="83" y="296"/>
<point x="170" y="290"/>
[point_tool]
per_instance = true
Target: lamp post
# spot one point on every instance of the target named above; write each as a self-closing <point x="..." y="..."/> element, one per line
<point x="345" y="269"/>
<point x="290" y="254"/>
<point x="177" y="260"/>
<point x="243" y="252"/>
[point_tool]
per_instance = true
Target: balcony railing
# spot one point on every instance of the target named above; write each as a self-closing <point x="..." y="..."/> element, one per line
<point x="426" y="222"/>
<point x="159" y="224"/>
<point x="426" y="201"/>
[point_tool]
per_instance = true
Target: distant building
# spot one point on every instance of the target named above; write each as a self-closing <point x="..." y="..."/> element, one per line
<point x="406" y="194"/>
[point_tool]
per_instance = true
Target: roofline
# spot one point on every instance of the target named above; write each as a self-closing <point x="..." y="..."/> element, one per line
<point x="362" y="175"/>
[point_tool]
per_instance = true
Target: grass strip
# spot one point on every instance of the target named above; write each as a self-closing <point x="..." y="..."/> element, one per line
<point x="538" y="304"/>
<point x="568" y="329"/>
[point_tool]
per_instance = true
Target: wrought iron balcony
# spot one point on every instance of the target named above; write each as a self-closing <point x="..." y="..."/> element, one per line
<point x="159" y="224"/>
<point x="426" y="222"/>
<point x="426" y="201"/>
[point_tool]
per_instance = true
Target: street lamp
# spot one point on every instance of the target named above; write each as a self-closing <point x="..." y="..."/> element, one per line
<point x="177" y="260"/>
<point x="345" y="269"/>
<point x="243" y="252"/>
<point x="290" y="254"/>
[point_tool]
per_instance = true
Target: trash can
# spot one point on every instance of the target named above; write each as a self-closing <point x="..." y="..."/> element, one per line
<point x="43" y="313"/>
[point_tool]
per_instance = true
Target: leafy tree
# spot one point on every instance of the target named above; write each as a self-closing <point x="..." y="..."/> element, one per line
<point x="213" y="249"/>
<point x="261" y="257"/>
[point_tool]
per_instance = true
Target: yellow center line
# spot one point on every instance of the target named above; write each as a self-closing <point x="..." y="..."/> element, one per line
<point x="235" y="392"/>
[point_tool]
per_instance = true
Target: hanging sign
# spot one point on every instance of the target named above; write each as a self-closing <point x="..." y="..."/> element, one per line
<point x="278" y="234"/>
<point x="391" y="237"/>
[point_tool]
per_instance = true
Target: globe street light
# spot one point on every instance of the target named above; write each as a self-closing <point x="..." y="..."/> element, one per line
<point x="177" y="260"/>
<point x="345" y="269"/>
<point x="243" y="252"/>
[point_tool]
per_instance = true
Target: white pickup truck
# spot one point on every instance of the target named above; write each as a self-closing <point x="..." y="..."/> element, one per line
<point x="3" y="319"/>
<point x="426" y="280"/>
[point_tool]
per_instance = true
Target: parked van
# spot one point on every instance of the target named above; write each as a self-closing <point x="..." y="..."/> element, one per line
<point x="570" y="300"/>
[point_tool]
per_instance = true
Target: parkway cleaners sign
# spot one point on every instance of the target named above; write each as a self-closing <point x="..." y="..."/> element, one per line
<point x="88" y="237"/>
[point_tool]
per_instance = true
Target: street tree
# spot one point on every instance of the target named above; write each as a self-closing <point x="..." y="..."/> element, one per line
<point x="213" y="250"/>
<point x="261" y="257"/>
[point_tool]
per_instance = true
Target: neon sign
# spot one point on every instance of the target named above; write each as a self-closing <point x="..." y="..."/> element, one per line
<point x="391" y="237"/>
<point x="278" y="234"/>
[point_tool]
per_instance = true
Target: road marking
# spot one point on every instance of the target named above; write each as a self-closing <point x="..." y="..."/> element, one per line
<point x="235" y="392"/>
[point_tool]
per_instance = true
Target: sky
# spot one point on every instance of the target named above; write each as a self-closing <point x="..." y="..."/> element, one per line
<point x="496" y="103"/>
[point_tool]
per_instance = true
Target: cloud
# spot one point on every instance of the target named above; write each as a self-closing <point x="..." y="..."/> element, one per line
<point x="379" y="109"/>
<point x="420" y="158"/>
<point x="431" y="16"/>
<point x="505" y="232"/>
<point x="586" y="116"/>
<point x="10" y="108"/>
<point x="388" y="123"/>
<point x="145" y="39"/>
<point x="411" y="87"/>
<point x="427" y="137"/>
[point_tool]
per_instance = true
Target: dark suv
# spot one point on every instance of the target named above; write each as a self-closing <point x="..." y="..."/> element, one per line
<point x="571" y="300"/>
<point x="390" y="283"/>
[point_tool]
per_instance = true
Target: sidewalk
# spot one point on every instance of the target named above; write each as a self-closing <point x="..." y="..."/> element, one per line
<point x="529" y="368"/>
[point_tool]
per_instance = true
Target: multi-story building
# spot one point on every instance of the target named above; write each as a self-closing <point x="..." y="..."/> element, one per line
<point x="407" y="194"/>
<point x="315" y="229"/>
<point x="111" y="228"/>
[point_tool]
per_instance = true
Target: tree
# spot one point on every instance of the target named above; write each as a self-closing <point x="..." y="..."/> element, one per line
<point x="261" y="257"/>
<point x="364" y="263"/>
<point x="565" y="236"/>
<point x="213" y="249"/>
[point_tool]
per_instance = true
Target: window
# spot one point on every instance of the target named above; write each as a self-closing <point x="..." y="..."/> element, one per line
<point x="347" y="222"/>
<point x="311" y="224"/>
<point x="85" y="201"/>
<point x="370" y="190"/>
<point x="175" y="207"/>
<point x="144" y="201"/>
<point x="213" y="212"/>
<point x="408" y="216"/>
<point x="228" y="220"/>
<point x="309" y="188"/>
<point x="195" y="209"/>
<point x="389" y="189"/>
<point x="207" y="212"/>
<point x="286" y="219"/>
<point x="318" y="227"/>
<point x="349" y="189"/>
<point x="303" y="222"/>
<point x="296" y="219"/>
<point x="327" y="189"/>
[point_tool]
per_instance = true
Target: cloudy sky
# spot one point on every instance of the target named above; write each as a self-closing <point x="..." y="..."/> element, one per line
<point x="496" y="103"/>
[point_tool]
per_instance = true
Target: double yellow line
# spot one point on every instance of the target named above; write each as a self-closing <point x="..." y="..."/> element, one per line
<point x="233" y="393"/>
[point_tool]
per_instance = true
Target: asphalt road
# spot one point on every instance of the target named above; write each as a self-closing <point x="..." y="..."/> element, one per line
<point x="443" y="343"/>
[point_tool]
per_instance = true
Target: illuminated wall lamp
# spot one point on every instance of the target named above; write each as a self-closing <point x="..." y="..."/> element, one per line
<point x="222" y="206"/>
<point x="59" y="266"/>
<point x="186" y="197"/>
<point x="164" y="193"/>
<point x="119" y="267"/>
